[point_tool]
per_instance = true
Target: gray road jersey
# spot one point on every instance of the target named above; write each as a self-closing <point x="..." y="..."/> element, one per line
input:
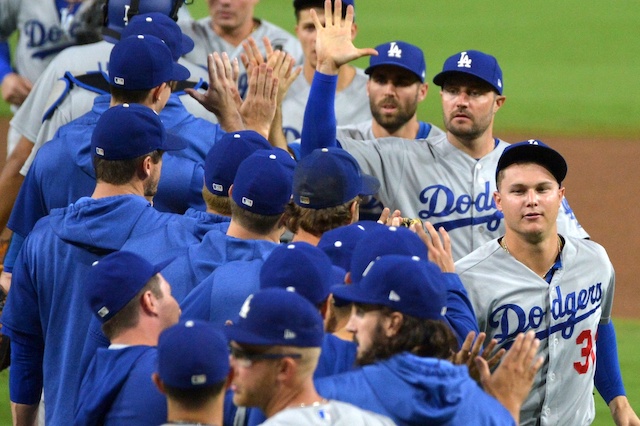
<point x="363" y="131"/>
<point x="44" y="32"/>
<point x="351" y="104"/>
<point x="432" y="180"/>
<point x="77" y="60"/>
<point x="207" y="41"/>
<point x="509" y="298"/>
<point x="331" y="413"/>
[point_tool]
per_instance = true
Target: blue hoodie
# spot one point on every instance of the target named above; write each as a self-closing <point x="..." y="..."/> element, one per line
<point x="117" y="389"/>
<point x="413" y="390"/>
<point x="46" y="315"/>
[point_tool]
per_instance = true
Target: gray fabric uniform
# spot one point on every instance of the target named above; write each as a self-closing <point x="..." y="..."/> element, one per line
<point x="352" y="104"/>
<point x="509" y="298"/>
<point x="207" y="41"/>
<point x="432" y="180"/>
<point x="330" y="413"/>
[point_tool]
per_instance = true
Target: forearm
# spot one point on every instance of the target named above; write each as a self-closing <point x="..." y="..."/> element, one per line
<point x="319" y="124"/>
<point x="24" y="415"/>
<point x="608" y="379"/>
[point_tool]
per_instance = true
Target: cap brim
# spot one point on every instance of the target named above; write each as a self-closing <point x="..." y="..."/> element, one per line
<point x="352" y="293"/>
<point x="543" y="155"/>
<point x="174" y="143"/>
<point x="440" y="78"/>
<point x="370" y="69"/>
<point x="370" y="185"/>
<point x="179" y="72"/>
<point x="187" y="44"/>
<point x="244" y="337"/>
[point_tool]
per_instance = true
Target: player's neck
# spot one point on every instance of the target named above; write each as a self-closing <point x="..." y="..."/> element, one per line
<point x="475" y="148"/>
<point x="104" y="189"/>
<point x="238" y="231"/>
<point x="305" y="237"/>
<point x="235" y="36"/>
<point x="208" y="414"/>
<point x="538" y="256"/>
<point x="303" y="395"/>
<point x="408" y="130"/>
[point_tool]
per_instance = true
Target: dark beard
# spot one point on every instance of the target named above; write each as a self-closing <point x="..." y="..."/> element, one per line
<point x="378" y="342"/>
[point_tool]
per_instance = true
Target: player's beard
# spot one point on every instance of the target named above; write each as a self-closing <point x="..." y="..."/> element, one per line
<point x="378" y="341"/>
<point x="392" y="123"/>
<point x="478" y="127"/>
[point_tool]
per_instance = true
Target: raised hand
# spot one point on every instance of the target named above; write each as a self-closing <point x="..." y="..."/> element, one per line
<point x="334" y="47"/>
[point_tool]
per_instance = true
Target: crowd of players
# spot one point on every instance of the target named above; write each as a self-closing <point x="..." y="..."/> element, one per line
<point x="191" y="244"/>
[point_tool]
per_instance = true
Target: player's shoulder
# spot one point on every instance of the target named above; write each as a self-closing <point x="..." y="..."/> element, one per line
<point x="480" y="260"/>
<point x="584" y="248"/>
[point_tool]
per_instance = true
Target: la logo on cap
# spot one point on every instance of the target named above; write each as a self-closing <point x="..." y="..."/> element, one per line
<point x="394" y="51"/>
<point x="464" y="61"/>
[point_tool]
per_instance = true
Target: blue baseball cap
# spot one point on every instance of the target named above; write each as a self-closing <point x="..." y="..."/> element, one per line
<point x="142" y="62"/>
<point x="329" y="177"/>
<point x="127" y="131"/>
<point x="472" y="62"/>
<point x="534" y="151"/>
<point x="302" y="268"/>
<point x="118" y="13"/>
<point x="406" y="284"/>
<point x="224" y="158"/>
<point x="340" y="242"/>
<point x="399" y="54"/>
<point x="166" y="29"/>
<point x="116" y="279"/>
<point x="263" y="182"/>
<point x="384" y="240"/>
<point x="193" y="354"/>
<point x="277" y="317"/>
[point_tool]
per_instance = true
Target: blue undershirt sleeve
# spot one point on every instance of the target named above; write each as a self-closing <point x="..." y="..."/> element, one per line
<point x="319" y="124"/>
<point x="5" y="60"/>
<point x="460" y="314"/>
<point x="12" y="252"/>
<point x="608" y="379"/>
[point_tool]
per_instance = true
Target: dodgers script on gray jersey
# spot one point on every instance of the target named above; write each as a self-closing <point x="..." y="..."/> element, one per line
<point x="207" y="41"/>
<point x="351" y="104"/>
<point x="44" y="32"/>
<point x="332" y="413"/>
<point x="509" y="298"/>
<point x="77" y="60"/>
<point x="432" y="180"/>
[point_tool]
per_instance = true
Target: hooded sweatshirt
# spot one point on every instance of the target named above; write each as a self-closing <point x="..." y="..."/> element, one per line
<point x="413" y="390"/>
<point x="117" y="389"/>
<point x="46" y="315"/>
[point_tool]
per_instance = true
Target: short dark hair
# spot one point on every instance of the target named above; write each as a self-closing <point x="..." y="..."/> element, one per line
<point x="119" y="172"/>
<point x="195" y="398"/>
<point x="318" y="221"/>
<point x="254" y="222"/>
<point x="129" y="316"/>
<point x="299" y="5"/>
<point x="421" y="337"/>
<point x="121" y="96"/>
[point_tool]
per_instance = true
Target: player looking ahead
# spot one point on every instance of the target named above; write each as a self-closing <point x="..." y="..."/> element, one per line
<point x="561" y="287"/>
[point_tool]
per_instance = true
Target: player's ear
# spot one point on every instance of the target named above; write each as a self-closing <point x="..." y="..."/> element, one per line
<point x="498" y="200"/>
<point x="393" y="323"/>
<point x="499" y="101"/>
<point x="422" y="91"/>
<point x="156" y="381"/>
<point x="230" y="191"/>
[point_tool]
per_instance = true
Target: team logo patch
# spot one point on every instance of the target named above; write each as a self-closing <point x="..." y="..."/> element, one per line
<point x="246" y="306"/>
<point x="100" y="151"/>
<point x="394" y="51"/>
<point x="103" y="312"/>
<point x="464" y="61"/>
<point x="304" y="200"/>
<point x="216" y="187"/>
<point x="119" y="81"/>
<point x="199" y="379"/>
<point x="247" y="201"/>
<point x="288" y="334"/>
<point x="393" y="296"/>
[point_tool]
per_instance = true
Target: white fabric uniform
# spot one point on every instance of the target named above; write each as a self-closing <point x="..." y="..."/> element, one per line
<point x="330" y="413"/>
<point x="207" y="41"/>
<point x="363" y="131"/>
<point x="352" y="104"/>
<point x="44" y="32"/>
<point x="509" y="298"/>
<point x="432" y="180"/>
<point x="77" y="60"/>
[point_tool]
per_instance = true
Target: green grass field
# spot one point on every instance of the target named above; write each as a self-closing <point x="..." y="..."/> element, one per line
<point x="570" y="69"/>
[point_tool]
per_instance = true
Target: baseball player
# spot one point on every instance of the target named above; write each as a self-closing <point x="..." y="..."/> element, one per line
<point x="275" y="344"/>
<point x="447" y="179"/>
<point x="77" y="60"/>
<point x="45" y="316"/>
<point x="351" y="97"/>
<point x="560" y="287"/>
<point x="405" y="348"/>
<point x="134" y="304"/>
<point x="229" y="23"/>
